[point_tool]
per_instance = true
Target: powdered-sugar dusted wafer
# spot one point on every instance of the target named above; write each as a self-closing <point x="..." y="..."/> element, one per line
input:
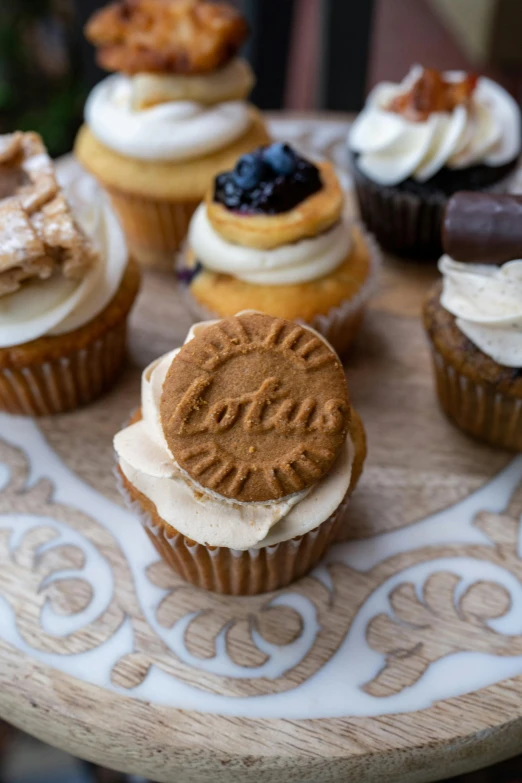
<point x="39" y="235"/>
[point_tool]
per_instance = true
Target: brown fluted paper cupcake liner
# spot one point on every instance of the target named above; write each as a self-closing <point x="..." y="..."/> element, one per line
<point x="65" y="383"/>
<point x="478" y="408"/>
<point x="154" y="228"/>
<point x="404" y="222"/>
<point x="231" y="571"/>
<point x="341" y="323"/>
<point x="57" y="374"/>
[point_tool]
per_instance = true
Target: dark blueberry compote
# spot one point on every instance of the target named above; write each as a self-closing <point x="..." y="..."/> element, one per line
<point x="187" y="273"/>
<point x="267" y="181"/>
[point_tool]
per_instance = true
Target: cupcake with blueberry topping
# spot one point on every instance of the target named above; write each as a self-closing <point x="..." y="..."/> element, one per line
<point x="273" y="235"/>
<point x="418" y="142"/>
<point x="172" y="115"/>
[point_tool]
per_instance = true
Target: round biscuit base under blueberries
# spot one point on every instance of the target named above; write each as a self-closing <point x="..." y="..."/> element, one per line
<point x="407" y="218"/>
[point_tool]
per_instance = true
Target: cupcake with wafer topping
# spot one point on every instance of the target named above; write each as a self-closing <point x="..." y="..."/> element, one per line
<point x="66" y="287"/>
<point x="274" y="235"/>
<point x="243" y="454"/>
<point x="172" y="116"/>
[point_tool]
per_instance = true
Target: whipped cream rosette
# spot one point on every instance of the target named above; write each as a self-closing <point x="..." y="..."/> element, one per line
<point x="416" y="143"/>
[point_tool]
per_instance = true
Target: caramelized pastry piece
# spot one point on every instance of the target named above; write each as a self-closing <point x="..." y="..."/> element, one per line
<point x="432" y="93"/>
<point x="166" y="36"/>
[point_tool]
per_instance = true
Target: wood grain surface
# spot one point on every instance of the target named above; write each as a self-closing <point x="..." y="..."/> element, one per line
<point x="418" y="465"/>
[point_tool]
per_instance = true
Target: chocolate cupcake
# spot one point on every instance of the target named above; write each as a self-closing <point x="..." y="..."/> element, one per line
<point x="273" y="235"/>
<point x="418" y="142"/>
<point x="243" y="454"/>
<point x="474" y="319"/>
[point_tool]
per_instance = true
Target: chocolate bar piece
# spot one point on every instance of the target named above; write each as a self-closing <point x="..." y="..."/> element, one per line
<point x="483" y="228"/>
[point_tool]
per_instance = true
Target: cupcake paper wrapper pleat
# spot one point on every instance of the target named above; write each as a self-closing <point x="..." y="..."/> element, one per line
<point x="154" y="228"/>
<point x="478" y="409"/>
<point x="231" y="571"/>
<point x="406" y="223"/>
<point x="67" y="382"/>
<point x="403" y="223"/>
<point x="340" y="325"/>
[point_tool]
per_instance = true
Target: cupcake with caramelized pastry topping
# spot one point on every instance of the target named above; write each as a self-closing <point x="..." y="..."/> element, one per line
<point x="243" y="454"/>
<point x="66" y="287"/>
<point x="273" y="235"/>
<point x="416" y="143"/>
<point x="173" y="115"/>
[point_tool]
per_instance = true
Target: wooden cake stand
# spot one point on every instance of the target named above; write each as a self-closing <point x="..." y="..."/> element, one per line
<point x="398" y="659"/>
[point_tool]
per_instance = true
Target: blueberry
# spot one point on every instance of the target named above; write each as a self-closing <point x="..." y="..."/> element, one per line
<point x="249" y="171"/>
<point x="281" y="158"/>
<point x="187" y="274"/>
<point x="269" y="180"/>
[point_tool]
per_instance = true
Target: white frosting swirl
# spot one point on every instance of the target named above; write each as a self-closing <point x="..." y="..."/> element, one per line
<point x="487" y="303"/>
<point x="297" y="262"/>
<point x="175" y="130"/>
<point x="56" y="305"/>
<point x="392" y="148"/>
<point x="200" y="514"/>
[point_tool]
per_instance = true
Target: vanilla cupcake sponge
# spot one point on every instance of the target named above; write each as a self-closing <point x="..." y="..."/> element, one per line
<point x="351" y="281"/>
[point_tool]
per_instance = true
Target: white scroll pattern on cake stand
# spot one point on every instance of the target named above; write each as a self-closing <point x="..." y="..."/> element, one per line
<point x="386" y="624"/>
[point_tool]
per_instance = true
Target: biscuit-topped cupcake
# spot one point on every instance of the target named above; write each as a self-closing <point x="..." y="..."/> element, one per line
<point x="243" y="453"/>
<point x="173" y="115"/>
<point x="418" y="142"/>
<point x="273" y="235"/>
<point x="66" y="287"/>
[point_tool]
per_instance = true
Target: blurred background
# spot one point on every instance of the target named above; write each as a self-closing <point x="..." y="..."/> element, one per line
<point x="309" y="55"/>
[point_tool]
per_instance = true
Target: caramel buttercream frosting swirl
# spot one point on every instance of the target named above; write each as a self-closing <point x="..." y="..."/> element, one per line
<point x="210" y="517"/>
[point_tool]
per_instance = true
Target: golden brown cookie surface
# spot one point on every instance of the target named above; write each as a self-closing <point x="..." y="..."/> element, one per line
<point x="311" y="217"/>
<point x="255" y="408"/>
<point x="166" y="36"/>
